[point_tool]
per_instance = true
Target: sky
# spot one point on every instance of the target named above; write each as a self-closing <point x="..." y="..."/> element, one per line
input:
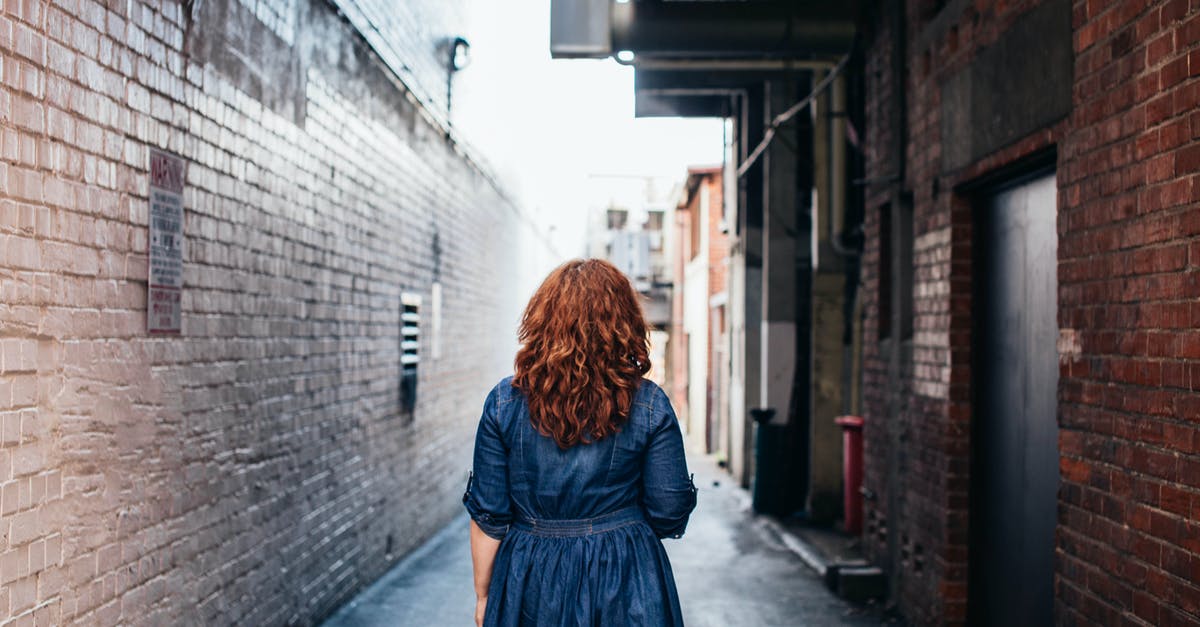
<point x="551" y="129"/>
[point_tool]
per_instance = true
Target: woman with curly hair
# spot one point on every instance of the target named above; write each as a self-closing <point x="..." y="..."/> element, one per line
<point x="579" y="468"/>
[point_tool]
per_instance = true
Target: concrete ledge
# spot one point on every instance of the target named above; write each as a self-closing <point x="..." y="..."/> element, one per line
<point x="853" y="579"/>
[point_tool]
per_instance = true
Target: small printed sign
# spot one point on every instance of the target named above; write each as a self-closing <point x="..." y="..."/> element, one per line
<point x="163" y="303"/>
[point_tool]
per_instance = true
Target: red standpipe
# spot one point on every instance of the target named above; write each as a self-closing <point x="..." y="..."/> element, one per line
<point x="852" y="472"/>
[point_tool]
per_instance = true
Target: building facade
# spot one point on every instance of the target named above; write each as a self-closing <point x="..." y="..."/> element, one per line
<point x="703" y="340"/>
<point x="304" y="428"/>
<point x="1030" y="282"/>
<point x="976" y="225"/>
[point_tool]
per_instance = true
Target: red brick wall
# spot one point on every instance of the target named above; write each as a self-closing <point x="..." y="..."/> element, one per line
<point x="929" y="587"/>
<point x="718" y="246"/>
<point x="688" y="216"/>
<point x="1129" y="312"/>
<point x="257" y="469"/>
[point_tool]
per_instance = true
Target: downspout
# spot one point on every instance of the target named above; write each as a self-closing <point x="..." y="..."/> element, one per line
<point x="837" y="158"/>
<point x="897" y="13"/>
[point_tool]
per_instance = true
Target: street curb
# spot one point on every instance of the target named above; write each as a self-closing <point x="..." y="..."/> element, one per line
<point x="806" y="552"/>
<point x="853" y="580"/>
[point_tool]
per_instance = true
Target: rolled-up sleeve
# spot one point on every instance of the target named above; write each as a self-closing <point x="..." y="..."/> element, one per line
<point x="487" y="495"/>
<point x="668" y="493"/>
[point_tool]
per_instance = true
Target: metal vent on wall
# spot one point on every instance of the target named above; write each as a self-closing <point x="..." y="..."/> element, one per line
<point x="410" y="336"/>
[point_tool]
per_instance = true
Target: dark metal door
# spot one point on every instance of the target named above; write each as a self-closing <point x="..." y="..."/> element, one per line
<point x="1014" y="435"/>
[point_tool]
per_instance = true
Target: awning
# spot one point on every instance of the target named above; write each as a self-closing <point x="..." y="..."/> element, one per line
<point x="693" y="55"/>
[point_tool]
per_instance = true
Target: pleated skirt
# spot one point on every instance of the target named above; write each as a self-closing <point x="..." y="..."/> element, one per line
<point x="606" y="571"/>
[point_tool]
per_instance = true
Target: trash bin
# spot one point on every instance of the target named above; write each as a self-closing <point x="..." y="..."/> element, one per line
<point x="770" y="448"/>
<point x="852" y="472"/>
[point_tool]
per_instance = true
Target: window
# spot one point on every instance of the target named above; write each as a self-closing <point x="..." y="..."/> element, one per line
<point x="884" y="296"/>
<point x="654" y="229"/>
<point x="617" y="219"/>
<point x="654" y="221"/>
<point x="699" y="220"/>
<point x="896" y="266"/>
<point x="904" y="274"/>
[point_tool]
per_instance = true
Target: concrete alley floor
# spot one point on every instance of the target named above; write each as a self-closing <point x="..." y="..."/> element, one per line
<point x="729" y="567"/>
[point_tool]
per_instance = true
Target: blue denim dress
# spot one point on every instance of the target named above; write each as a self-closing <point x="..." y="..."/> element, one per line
<point x="581" y="527"/>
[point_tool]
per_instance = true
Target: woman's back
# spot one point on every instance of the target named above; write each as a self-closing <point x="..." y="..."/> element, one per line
<point x="579" y="466"/>
<point x="588" y="480"/>
<point x="580" y="525"/>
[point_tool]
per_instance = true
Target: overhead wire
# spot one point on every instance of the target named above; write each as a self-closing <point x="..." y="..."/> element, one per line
<point x="791" y="112"/>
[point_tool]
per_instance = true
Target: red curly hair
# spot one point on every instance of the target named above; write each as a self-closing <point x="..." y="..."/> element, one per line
<point x="584" y="349"/>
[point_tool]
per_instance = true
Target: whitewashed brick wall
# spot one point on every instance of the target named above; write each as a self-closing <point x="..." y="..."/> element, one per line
<point x="257" y="469"/>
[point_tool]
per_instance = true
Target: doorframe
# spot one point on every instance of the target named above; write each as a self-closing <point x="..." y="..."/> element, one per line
<point x="976" y="193"/>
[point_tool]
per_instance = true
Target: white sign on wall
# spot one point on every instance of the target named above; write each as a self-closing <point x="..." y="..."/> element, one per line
<point x="163" y="302"/>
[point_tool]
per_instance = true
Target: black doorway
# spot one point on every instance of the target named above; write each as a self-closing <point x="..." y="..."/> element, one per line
<point x="1014" y="435"/>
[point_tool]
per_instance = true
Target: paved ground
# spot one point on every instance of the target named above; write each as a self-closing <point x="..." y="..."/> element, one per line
<point x="730" y="570"/>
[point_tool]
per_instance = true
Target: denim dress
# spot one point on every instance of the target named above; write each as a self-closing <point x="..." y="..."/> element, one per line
<point x="580" y="528"/>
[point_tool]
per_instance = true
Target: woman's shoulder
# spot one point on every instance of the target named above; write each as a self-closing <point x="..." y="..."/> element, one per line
<point x="650" y="398"/>
<point x="648" y="393"/>
<point x="653" y="401"/>
<point x="504" y="391"/>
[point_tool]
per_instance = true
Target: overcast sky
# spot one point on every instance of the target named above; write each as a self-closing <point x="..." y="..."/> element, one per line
<point x="549" y="127"/>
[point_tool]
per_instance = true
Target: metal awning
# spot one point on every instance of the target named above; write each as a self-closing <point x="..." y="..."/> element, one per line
<point x="692" y="29"/>
<point x="689" y="90"/>
<point x="692" y="55"/>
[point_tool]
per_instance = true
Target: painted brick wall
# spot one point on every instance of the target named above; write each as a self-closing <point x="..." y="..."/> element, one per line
<point x="258" y="469"/>
<point x="1129" y="312"/>
<point x="413" y="38"/>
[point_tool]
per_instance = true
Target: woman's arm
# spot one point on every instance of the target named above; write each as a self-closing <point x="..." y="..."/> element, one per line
<point x="483" y="555"/>
<point x="668" y="494"/>
<point x="487" y="501"/>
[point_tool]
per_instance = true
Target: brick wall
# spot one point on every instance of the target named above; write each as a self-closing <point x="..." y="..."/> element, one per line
<point x="414" y="39"/>
<point x="878" y="478"/>
<point x="932" y="411"/>
<point x="258" y="468"/>
<point x="1129" y="310"/>
<point x="688" y="213"/>
<point x="718" y="245"/>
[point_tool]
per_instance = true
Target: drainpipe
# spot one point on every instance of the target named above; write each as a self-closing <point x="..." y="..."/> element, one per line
<point x="840" y="206"/>
<point x="897" y="14"/>
<point x="837" y="168"/>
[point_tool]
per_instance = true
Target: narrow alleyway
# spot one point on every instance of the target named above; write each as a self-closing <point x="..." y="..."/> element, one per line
<point x="730" y="569"/>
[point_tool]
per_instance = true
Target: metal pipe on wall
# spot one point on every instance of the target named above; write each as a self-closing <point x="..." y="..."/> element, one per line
<point x="897" y="14"/>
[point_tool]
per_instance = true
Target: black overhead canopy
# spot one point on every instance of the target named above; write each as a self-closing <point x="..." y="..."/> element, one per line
<point x="692" y="55"/>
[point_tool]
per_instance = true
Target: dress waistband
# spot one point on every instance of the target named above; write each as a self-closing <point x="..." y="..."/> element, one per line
<point x="580" y="527"/>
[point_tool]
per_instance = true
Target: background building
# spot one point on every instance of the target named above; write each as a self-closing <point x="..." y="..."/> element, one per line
<point x="703" y="343"/>
<point x="627" y="222"/>
<point x="1029" y="411"/>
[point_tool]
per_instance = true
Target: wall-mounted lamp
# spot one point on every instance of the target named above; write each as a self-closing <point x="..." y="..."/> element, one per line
<point x="460" y="54"/>
<point x="458" y="58"/>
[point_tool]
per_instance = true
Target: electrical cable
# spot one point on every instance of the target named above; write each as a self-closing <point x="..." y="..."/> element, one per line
<point x="783" y="118"/>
